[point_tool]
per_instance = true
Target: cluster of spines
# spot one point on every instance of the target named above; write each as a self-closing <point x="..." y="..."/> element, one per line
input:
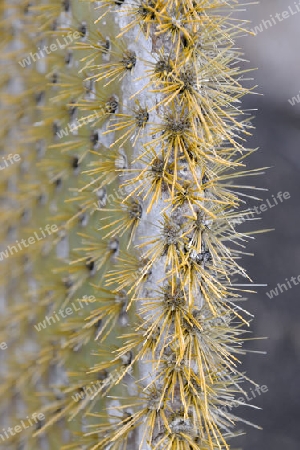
<point x="171" y="154"/>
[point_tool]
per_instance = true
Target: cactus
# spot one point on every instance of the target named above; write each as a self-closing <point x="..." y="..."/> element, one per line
<point x="122" y="142"/>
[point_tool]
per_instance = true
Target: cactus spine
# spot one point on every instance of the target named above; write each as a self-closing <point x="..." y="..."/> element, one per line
<point x="123" y="323"/>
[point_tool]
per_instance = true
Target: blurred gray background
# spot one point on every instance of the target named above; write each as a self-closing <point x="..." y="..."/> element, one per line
<point x="275" y="52"/>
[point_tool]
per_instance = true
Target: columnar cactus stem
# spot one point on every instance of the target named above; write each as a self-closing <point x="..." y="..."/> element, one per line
<point x="124" y="324"/>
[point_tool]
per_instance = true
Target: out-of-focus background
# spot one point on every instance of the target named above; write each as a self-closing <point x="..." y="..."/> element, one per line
<point x="275" y="51"/>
